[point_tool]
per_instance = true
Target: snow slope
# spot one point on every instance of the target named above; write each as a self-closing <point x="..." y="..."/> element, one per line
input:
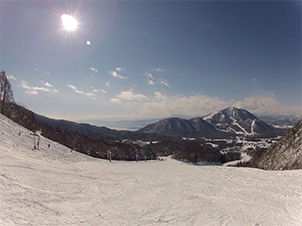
<point x="285" y="154"/>
<point x="54" y="186"/>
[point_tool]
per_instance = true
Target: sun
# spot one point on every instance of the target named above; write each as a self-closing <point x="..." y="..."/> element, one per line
<point x="69" y="22"/>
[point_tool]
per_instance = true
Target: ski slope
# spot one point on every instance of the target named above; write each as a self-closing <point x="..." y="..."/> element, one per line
<point x="54" y="186"/>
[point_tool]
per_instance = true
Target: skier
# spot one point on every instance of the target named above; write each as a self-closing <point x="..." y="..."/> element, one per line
<point x="48" y="145"/>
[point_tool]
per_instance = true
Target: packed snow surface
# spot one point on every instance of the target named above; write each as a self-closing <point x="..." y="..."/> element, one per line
<point x="54" y="186"/>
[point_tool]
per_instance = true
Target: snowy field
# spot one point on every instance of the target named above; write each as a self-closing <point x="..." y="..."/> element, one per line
<point x="54" y="186"/>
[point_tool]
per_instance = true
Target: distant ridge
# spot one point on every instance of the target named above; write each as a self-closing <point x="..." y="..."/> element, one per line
<point x="94" y="132"/>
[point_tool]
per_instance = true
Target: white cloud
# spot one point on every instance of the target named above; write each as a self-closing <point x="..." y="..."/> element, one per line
<point x="91" y="95"/>
<point x="24" y="85"/>
<point x="159" y="96"/>
<point x="107" y="84"/>
<point x="163" y="82"/>
<point x="129" y="95"/>
<point x="115" y="100"/>
<point x="33" y="90"/>
<point x="150" y="83"/>
<point x="195" y="105"/>
<point x="116" y="75"/>
<point x="11" y="77"/>
<point x="120" y="69"/>
<point x="259" y="105"/>
<point x="96" y="90"/>
<point x="158" y="69"/>
<point x="160" y="105"/>
<point x="46" y="84"/>
<point x="94" y="69"/>
<point x="72" y="87"/>
<point x="147" y="74"/>
<point x="152" y="80"/>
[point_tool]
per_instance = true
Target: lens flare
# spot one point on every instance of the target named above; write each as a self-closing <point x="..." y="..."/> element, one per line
<point x="69" y="22"/>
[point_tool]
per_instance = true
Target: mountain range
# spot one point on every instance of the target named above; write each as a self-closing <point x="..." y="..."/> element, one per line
<point x="278" y="121"/>
<point x="228" y="122"/>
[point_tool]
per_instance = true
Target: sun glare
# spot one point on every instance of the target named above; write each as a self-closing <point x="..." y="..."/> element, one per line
<point x="69" y="22"/>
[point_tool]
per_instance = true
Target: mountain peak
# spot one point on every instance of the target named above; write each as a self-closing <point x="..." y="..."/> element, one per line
<point x="232" y="108"/>
<point x="238" y="114"/>
<point x="238" y="121"/>
<point x="170" y="126"/>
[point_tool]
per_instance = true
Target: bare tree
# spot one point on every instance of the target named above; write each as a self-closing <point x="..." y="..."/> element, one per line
<point x="6" y="92"/>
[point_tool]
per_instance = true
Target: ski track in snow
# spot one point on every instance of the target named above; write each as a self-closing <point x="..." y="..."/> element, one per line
<point x="54" y="186"/>
<point x="237" y="124"/>
<point x="252" y="127"/>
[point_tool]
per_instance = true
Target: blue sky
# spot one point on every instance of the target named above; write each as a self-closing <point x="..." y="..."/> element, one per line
<point x="152" y="59"/>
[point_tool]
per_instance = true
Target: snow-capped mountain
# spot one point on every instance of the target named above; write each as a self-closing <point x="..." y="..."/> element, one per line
<point x="182" y="127"/>
<point x="228" y="116"/>
<point x="285" y="154"/>
<point x="238" y="121"/>
<point x="202" y="126"/>
<point x="170" y="126"/>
